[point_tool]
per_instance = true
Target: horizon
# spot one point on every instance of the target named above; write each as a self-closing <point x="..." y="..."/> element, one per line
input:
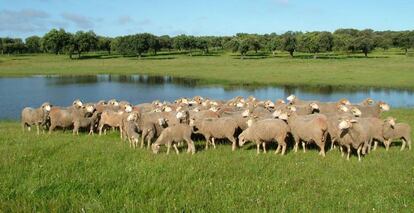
<point x="21" y="19"/>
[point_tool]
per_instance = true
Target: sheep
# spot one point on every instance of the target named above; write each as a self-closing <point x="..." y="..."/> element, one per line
<point x="85" y="122"/>
<point x="352" y="134"/>
<point x="150" y="130"/>
<point x="130" y="129"/>
<point x="216" y="128"/>
<point x="112" y="119"/>
<point x="392" y="131"/>
<point x="324" y="107"/>
<point x="172" y="135"/>
<point x="307" y="128"/>
<point x="305" y="109"/>
<point x="373" y="110"/>
<point x="64" y="116"/>
<point x="37" y="117"/>
<point x="264" y="131"/>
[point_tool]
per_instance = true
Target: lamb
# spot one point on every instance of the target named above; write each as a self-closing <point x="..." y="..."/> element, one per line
<point x="37" y="117"/>
<point x="307" y="128"/>
<point x="353" y="134"/>
<point x="392" y="131"/>
<point x="85" y="122"/>
<point x="172" y="135"/>
<point x="216" y="128"/>
<point x="264" y="131"/>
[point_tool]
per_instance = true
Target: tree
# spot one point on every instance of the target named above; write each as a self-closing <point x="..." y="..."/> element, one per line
<point x="13" y="45"/>
<point x="404" y="40"/>
<point x="184" y="42"/>
<point x="202" y="43"/>
<point x="315" y="42"/>
<point x="104" y="44"/>
<point x="383" y="40"/>
<point x="244" y="46"/>
<point x="1" y="46"/>
<point x="253" y="42"/>
<point x="232" y="45"/>
<point x="85" y="41"/>
<point x="289" y="42"/>
<point x="273" y="44"/>
<point x="343" y="43"/>
<point x="365" y="41"/>
<point x="166" y="42"/>
<point x="33" y="44"/>
<point x="139" y="44"/>
<point x="55" y="41"/>
<point x="154" y="43"/>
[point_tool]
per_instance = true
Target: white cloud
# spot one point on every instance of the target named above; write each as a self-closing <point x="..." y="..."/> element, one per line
<point x="82" y="22"/>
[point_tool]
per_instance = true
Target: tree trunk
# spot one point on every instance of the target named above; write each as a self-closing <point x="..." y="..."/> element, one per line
<point x="366" y="53"/>
<point x="315" y="55"/>
<point x="191" y="53"/>
<point x="139" y="56"/>
<point x="406" y="51"/>
<point x="79" y="54"/>
<point x="291" y="53"/>
<point x="273" y="52"/>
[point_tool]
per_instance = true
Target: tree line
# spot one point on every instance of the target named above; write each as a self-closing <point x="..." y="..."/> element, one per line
<point x="58" y="41"/>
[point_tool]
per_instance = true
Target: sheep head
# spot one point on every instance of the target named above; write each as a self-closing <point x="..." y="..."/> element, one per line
<point x="291" y="98"/>
<point x="384" y="106"/>
<point x="346" y="123"/>
<point x="46" y="107"/>
<point x="356" y="112"/>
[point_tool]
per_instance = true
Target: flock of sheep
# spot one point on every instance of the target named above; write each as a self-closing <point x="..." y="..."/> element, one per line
<point x="247" y="119"/>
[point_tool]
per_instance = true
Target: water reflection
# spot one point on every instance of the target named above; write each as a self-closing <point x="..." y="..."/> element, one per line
<point x="16" y="93"/>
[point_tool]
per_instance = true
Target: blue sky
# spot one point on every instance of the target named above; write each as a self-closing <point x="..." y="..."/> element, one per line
<point x="22" y="18"/>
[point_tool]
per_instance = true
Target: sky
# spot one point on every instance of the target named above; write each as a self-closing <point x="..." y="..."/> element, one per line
<point x="23" y="18"/>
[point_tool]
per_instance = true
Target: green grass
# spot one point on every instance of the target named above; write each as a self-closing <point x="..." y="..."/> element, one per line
<point x="60" y="172"/>
<point x="382" y="69"/>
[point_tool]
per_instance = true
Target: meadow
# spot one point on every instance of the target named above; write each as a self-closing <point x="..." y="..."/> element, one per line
<point x="61" y="173"/>
<point x="389" y="69"/>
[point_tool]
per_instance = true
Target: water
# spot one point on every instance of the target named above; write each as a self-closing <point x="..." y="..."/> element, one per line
<point x="16" y="93"/>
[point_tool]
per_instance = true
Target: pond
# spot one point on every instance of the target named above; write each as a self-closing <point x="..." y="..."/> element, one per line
<point x="16" y="93"/>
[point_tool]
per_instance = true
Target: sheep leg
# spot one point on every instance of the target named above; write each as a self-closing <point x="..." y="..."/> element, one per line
<point x="322" y="152"/>
<point x="142" y="140"/>
<point x="403" y="144"/>
<point x="304" y="146"/>
<point x="52" y="127"/>
<point x="375" y="145"/>
<point x="257" y="148"/>
<point x="387" y="144"/>
<point x="148" y="142"/>
<point x="278" y="149"/>
<point x="37" y="129"/>
<point x="342" y="151"/>
<point x="409" y="144"/>
<point x="296" y="144"/>
<point x="349" y="152"/>
<point x="213" y="142"/>
<point x="359" y="153"/>
<point x="233" y="146"/>
<point x="264" y="147"/>
<point x="207" y="141"/>
<point x="100" y="129"/>
<point x="176" y="149"/>
<point x="29" y="128"/>
<point x="130" y="142"/>
<point x="190" y="145"/>
<point x="283" y="149"/>
<point x="168" y="148"/>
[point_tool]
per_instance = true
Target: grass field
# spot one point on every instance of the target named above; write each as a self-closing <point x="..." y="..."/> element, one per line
<point x="60" y="172"/>
<point x="382" y="69"/>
